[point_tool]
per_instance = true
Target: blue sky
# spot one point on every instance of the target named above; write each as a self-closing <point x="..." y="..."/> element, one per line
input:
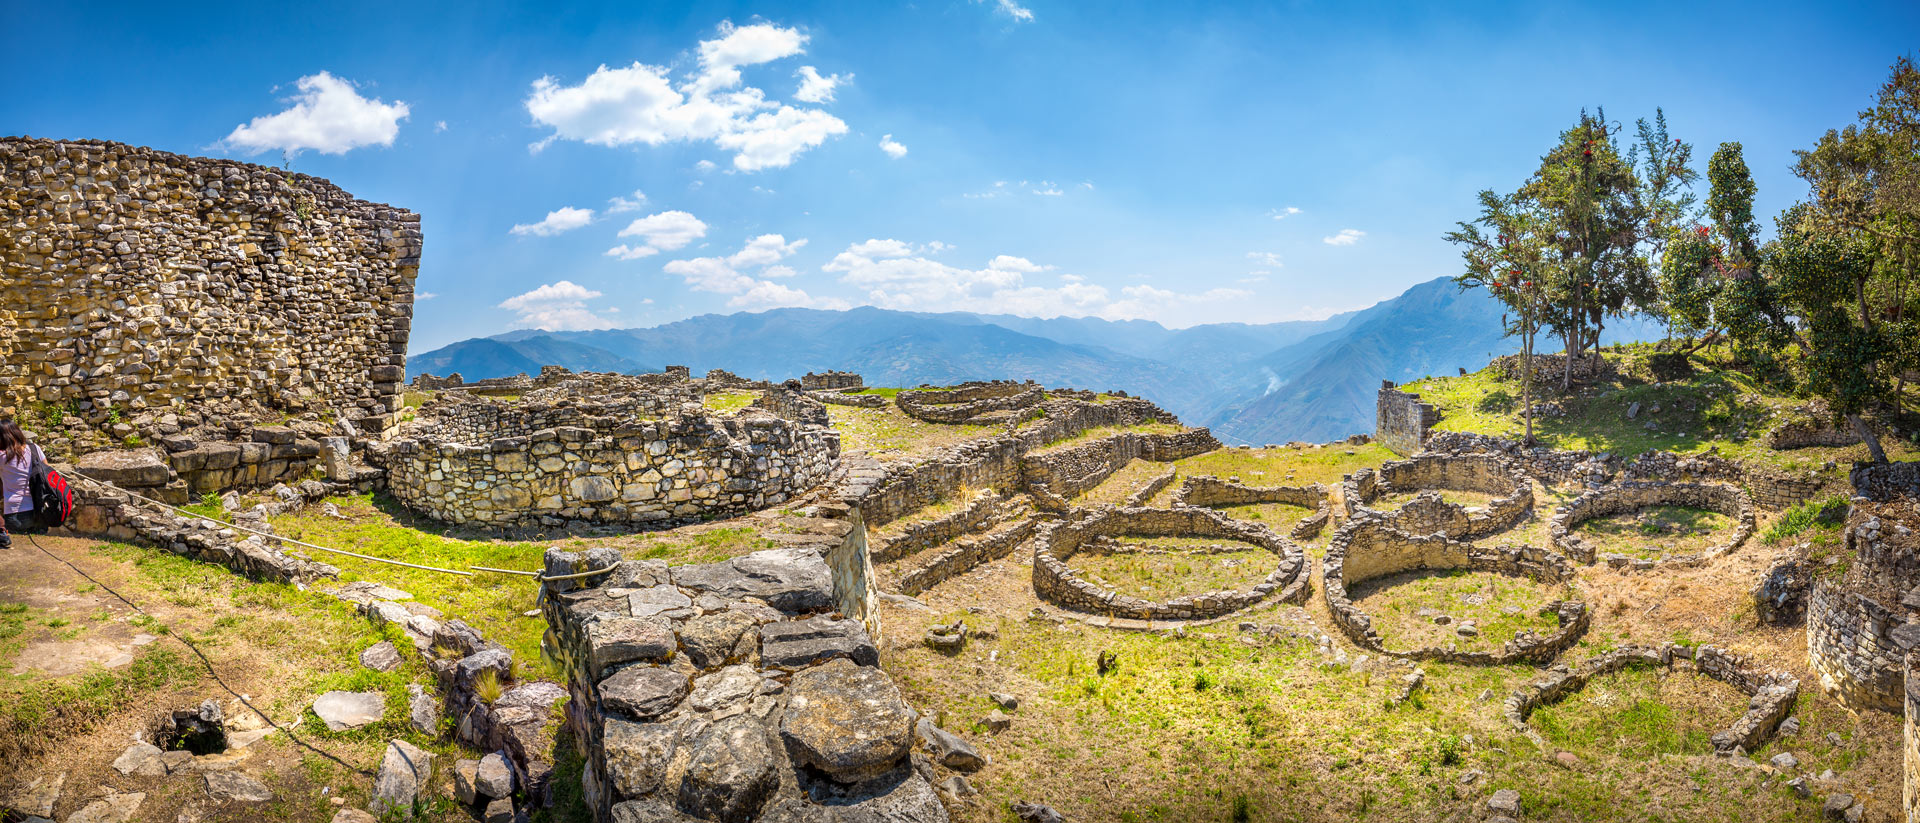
<point x="1179" y="162"/>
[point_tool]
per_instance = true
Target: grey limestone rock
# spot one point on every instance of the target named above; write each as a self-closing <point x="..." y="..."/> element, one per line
<point x="846" y="720"/>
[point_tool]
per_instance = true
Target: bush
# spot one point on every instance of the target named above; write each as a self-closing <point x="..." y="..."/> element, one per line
<point x="1668" y="366"/>
<point x="1825" y="515"/>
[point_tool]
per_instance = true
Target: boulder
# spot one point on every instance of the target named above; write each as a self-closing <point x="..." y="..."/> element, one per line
<point x="615" y="640"/>
<point x="140" y="758"/>
<point x="350" y="710"/>
<point x="724" y="690"/>
<point x="846" y="720"/>
<point x="465" y="781"/>
<point x="423" y="711"/>
<point x="791" y="580"/>
<point x="130" y="468"/>
<point x="498" y="811"/>
<point x="1505" y="801"/>
<point x="652" y="600"/>
<point x="731" y="771"/>
<point x="638" y="754"/>
<point x="381" y="657"/>
<point x="643" y="692"/>
<point x="948" y="749"/>
<point x="37" y="798"/>
<point x="114" y="808"/>
<point x="353" y="816"/>
<point x="495" y="777"/>
<point x="404" y="772"/>
<point x="710" y="639"/>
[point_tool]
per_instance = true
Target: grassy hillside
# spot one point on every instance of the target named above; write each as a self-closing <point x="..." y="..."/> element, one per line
<point x="1716" y="409"/>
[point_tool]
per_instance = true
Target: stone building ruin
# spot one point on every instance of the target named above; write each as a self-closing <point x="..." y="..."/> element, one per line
<point x="143" y="283"/>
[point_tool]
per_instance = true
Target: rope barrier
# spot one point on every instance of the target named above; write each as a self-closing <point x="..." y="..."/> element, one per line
<point x="544" y="579"/>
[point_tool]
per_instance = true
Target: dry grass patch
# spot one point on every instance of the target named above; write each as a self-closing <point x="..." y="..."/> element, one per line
<point x="1657" y="531"/>
<point x="889" y="434"/>
<point x="1181" y="569"/>
<point x="1115" y="490"/>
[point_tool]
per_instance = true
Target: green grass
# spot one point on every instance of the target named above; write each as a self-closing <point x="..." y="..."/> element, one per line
<point x="1282" y="466"/>
<point x="1506" y="606"/>
<point x="1717" y="409"/>
<point x="728" y="402"/>
<point x="210" y="507"/>
<point x="1098" y="432"/>
<point x="1657" y="531"/>
<point x="1822" y="517"/>
<point x="882" y="392"/>
<point x="494" y="604"/>
<point x="42" y="711"/>
<point x="1640" y="714"/>
<point x="1167" y="576"/>
<point x="710" y="546"/>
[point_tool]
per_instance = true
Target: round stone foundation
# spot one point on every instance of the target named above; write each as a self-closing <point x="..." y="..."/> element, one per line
<point x="1209" y="492"/>
<point x="1772" y="693"/>
<point x="963" y="403"/>
<point x="1055" y="581"/>
<point x="1367" y="549"/>
<point x="1635" y="495"/>
<point x="1428" y="513"/>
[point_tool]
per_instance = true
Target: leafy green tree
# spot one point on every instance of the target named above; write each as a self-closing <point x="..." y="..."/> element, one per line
<point x="1665" y="197"/>
<point x="1590" y="200"/>
<point x="1510" y="259"/>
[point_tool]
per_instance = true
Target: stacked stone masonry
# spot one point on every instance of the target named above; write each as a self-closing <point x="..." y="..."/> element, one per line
<point x="730" y="691"/>
<point x="830" y="381"/>
<point x="1861" y="624"/>
<point x="140" y="281"/>
<point x="963" y="403"/>
<point x="1056" y="542"/>
<point x="904" y="539"/>
<point x="1211" y="492"/>
<point x="1769" y="487"/>
<point x="1427" y="513"/>
<point x="1772" y="694"/>
<point x="1634" y="495"/>
<point x="1055" y="476"/>
<point x="1401" y="421"/>
<point x="1369" y="548"/>
<point x="887" y="494"/>
<point x="602" y="461"/>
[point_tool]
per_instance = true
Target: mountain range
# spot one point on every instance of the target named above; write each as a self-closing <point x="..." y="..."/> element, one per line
<point x="1252" y="383"/>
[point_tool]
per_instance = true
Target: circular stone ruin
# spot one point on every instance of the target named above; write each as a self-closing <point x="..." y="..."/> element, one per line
<point x="1211" y="492"/>
<point x="1428" y="513"/>
<point x="1367" y="549"/>
<point x="1635" y="495"/>
<point x="1059" y="583"/>
<point x="968" y="401"/>
<point x="1772" y="693"/>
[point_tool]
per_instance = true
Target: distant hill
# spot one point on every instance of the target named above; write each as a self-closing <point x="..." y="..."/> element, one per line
<point x="1252" y="383"/>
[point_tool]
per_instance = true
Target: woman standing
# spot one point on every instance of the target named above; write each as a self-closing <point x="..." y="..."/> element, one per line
<point x="16" y="495"/>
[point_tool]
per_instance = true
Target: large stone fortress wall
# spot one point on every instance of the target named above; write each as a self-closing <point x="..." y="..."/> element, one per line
<point x="1401" y="422"/>
<point x="138" y="279"/>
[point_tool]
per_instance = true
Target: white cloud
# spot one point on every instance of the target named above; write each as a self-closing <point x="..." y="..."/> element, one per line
<point x="327" y="115"/>
<point x="620" y="205"/>
<point x="667" y="230"/>
<point x="1346" y="237"/>
<point x="1282" y="214"/>
<point x="1046" y="188"/>
<point x="425" y="295"/>
<point x="891" y="275"/>
<point x="1088" y="184"/>
<point x="1265" y="258"/>
<point x="565" y="219"/>
<point x="723" y="275"/>
<point x="892" y="147"/>
<point x="560" y="306"/>
<point x="1019" y="13"/>
<point x="704" y="166"/>
<point x="626" y="252"/>
<point x="816" y="87"/>
<point x="766" y="250"/>
<point x="640" y="104"/>
<point x="439" y="126"/>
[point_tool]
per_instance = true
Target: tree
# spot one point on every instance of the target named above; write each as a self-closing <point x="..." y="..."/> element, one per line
<point x="1665" y="198"/>
<point x="1512" y="263"/>
<point x="1707" y="277"/>
<point x="1819" y="276"/>
<point x="1591" y="205"/>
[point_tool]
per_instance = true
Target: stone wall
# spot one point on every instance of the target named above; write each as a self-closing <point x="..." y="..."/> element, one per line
<point x="1366" y="549"/>
<point x="1210" y="492"/>
<point x="988" y="462"/>
<point x="1886" y="481"/>
<point x="1055" y="581"/>
<point x="1910" y="799"/>
<point x="1056" y="476"/>
<point x="729" y="691"/>
<point x="964" y="402"/>
<point x="1428" y="513"/>
<point x="831" y="380"/>
<point x="614" y="470"/>
<point x="964" y="555"/>
<point x="911" y="538"/>
<point x="109" y="513"/>
<point x="859" y="401"/>
<point x="1772" y="693"/>
<point x="459" y="418"/>
<point x="1401" y="422"/>
<point x="140" y="281"/>
<point x="1634" y="495"/>
<point x="1770" y="487"/>
<point x="1852" y="649"/>
<point x="788" y="404"/>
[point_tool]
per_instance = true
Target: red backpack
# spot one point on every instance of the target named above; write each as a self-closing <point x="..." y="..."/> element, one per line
<point x="52" y="497"/>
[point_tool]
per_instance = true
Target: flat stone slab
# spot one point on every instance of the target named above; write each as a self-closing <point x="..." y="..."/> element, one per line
<point x="643" y="692"/>
<point x="237" y="786"/>
<point x="140" y="758"/>
<point x="797" y="644"/>
<point x="848" y="720"/>
<point x="381" y="657"/>
<point x="135" y="468"/>
<point x="791" y="580"/>
<point x="350" y="710"/>
<point x="114" y="808"/>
